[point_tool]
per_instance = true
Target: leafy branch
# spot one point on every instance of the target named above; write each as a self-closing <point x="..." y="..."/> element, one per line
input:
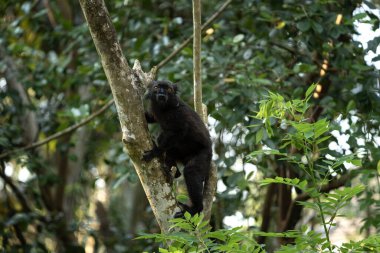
<point x="307" y="137"/>
<point x="193" y="234"/>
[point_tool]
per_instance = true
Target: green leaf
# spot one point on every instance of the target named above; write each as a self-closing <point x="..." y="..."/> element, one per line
<point x="357" y="162"/>
<point x="288" y="234"/>
<point x="309" y="134"/>
<point x="146" y="236"/>
<point x="187" y="216"/>
<point x="262" y="81"/>
<point x="310" y="90"/>
<point x="317" y="27"/>
<point x="310" y="205"/>
<point x="259" y="135"/>
<point x="217" y="235"/>
<point x="182" y="198"/>
<point x="320" y="140"/>
<point x="202" y="224"/>
<point x="321" y="127"/>
<point x="288" y="181"/>
<point x="266" y="152"/>
<point x="304" y="68"/>
<point x="238" y="38"/>
<point x="351" y="105"/>
<point x="359" y="16"/>
<point x="376" y="58"/>
<point x="304" y="25"/>
<point x="184" y="226"/>
<point x="373" y="44"/>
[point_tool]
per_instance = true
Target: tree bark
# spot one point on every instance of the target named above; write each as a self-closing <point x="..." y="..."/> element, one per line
<point x="200" y="108"/>
<point x="197" y="58"/>
<point x="127" y="87"/>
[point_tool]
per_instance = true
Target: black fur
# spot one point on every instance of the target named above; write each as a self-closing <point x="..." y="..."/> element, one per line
<point x="184" y="139"/>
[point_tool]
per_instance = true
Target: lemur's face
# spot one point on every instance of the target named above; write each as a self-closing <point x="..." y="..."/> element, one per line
<point x="163" y="93"/>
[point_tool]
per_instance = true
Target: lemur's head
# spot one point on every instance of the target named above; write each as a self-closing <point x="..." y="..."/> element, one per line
<point x="163" y="93"/>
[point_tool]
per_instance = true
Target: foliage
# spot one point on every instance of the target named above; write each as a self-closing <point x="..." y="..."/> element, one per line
<point x="193" y="234"/>
<point x="309" y="138"/>
<point x="311" y="241"/>
<point x="253" y="50"/>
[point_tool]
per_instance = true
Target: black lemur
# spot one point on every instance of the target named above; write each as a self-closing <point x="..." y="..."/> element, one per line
<point x="184" y="139"/>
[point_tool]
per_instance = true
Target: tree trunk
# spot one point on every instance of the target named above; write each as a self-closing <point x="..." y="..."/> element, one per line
<point x="127" y="87"/>
<point x="197" y="58"/>
<point x="200" y="108"/>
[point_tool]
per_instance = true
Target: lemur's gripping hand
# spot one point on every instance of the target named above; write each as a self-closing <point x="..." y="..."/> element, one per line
<point x="150" y="154"/>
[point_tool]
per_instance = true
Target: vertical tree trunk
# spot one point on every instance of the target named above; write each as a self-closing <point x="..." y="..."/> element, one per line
<point x="200" y="108"/>
<point x="127" y="87"/>
<point x="197" y="57"/>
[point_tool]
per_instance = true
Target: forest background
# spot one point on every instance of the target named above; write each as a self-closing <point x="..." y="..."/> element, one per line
<point x="81" y="192"/>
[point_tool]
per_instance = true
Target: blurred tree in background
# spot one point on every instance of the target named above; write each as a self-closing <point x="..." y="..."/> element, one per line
<point x="79" y="192"/>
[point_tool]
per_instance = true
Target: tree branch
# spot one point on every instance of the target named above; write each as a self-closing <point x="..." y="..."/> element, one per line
<point x="61" y="133"/>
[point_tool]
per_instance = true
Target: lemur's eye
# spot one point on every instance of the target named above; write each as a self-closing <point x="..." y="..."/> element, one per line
<point x="155" y="87"/>
<point x="170" y="89"/>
